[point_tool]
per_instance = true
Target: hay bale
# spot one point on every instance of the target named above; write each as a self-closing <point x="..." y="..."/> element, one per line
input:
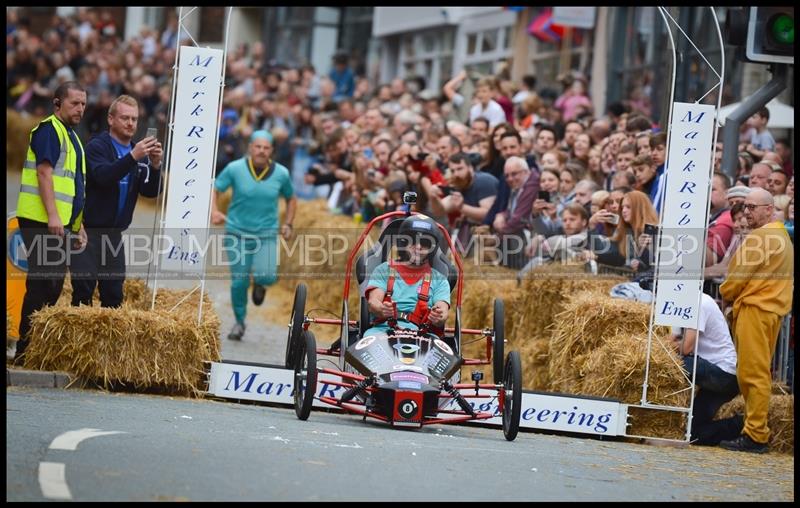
<point x="588" y="320"/>
<point x="780" y="419"/>
<point x="616" y="370"/>
<point x="544" y="293"/>
<point x="134" y="292"/>
<point x="535" y="356"/>
<point x="598" y="348"/>
<point x="18" y="130"/>
<point x="131" y="345"/>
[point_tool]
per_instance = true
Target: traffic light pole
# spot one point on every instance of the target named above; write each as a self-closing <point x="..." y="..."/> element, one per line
<point x="748" y="107"/>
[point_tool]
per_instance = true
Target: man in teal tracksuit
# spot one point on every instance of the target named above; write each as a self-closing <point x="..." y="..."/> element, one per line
<point x="252" y="221"/>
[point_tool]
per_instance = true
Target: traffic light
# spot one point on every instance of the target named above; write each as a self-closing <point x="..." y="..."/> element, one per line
<point x="770" y="35"/>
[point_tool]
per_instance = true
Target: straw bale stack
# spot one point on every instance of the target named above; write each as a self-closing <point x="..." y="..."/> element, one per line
<point x="544" y="293"/>
<point x="18" y="130"/>
<point x="132" y="345"/>
<point x="135" y="292"/>
<point x="588" y="321"/>
<point x="780" y="419"/>
<point x="477" y="307"/>
<point x="598" y="348"/>
<point x="535" y="356"/>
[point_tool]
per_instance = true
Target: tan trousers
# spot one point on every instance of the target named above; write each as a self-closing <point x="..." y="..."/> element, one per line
<point x="755" y="336"/>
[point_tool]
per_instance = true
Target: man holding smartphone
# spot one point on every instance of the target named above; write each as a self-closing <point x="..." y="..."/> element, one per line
<point x="117" y="171"/>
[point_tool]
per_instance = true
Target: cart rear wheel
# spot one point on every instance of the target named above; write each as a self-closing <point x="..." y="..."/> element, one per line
<point x="305" y="375"/>
<point x="512" y="406"/>
<point x="498" y="354"/>
<point x="295" y="325"/>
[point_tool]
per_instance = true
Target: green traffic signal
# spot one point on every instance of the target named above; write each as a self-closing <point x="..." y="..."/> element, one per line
<point x="781" y="28"/>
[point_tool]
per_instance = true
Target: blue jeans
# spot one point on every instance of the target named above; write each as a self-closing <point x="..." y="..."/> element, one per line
<point x="716" y="387"/>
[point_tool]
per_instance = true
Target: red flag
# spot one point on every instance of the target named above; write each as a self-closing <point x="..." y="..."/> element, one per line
<point x="543" y="28"/>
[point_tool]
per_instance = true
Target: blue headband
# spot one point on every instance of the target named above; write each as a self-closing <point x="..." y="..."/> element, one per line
<point x="262" y="134"/>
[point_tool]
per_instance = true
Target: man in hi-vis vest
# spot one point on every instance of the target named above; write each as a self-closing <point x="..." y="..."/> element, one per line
<point x="50" y="205"/>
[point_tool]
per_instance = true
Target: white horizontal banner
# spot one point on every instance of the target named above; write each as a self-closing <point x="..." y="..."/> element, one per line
<point x="539" y="411"/>
<point x="685" y="215"/>
<point x="578" y="17"/>
<point x="192" y="157"/>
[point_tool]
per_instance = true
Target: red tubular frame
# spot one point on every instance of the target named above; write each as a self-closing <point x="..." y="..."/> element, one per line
<point x="353" y="407"/>
<point x="397" y="213"/>
<point x="459" y="292"/>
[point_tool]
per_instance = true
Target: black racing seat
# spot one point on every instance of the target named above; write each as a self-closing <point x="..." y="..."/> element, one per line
<point x="379" y="253"/>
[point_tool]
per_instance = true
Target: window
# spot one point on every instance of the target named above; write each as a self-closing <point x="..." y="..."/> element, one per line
<point x="546" y="56"/>
<point x="472" y="42"/>
<point x="428" y="54"/>
<point x="489" y="41"/>
<point x="486" y="48"/>
<point x="293" y="45"/>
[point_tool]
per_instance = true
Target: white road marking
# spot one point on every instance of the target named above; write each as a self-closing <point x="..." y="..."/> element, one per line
<point x="53" y="482"/>
<point x="52" y="475"/>
<point x="70" y="440"/>
<point x="354" y="445"/>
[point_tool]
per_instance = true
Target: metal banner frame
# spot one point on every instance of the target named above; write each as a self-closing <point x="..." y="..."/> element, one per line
<point x="644" y="403"/>
<point x="181" y="30"/>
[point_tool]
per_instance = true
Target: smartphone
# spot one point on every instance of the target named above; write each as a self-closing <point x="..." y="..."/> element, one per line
<point x="613" y="219"/>
<point x="152" y="132"/>
<point x="543" y="194"/>
<point x="368" y="153"/>
<point x="446" y="190"/>
<point x="650" y="229"/>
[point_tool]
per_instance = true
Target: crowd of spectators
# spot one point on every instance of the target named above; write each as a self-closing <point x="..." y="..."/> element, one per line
<point x="534" y="176"/>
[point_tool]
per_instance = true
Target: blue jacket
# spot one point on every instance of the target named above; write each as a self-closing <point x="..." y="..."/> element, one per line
<point x="104" y="170"/>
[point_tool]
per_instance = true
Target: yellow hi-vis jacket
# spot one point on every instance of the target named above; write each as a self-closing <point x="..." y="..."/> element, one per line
<point x="30" y="204"/>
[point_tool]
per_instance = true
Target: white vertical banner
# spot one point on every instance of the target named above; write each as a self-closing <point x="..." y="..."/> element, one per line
<point x="679" y="280"/>
<point x="191" y="162"/>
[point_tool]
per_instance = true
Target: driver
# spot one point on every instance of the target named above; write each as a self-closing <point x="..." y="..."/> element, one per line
<point x="409" y="293"/>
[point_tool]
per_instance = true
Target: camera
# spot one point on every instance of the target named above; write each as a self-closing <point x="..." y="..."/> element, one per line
<point x="651" y="229"/>
<point x="371" y="173"/>
<point x="409" y="198"/>
<point x="314" y="170"/>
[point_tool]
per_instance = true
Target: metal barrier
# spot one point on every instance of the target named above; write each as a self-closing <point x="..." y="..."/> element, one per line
<point x="623" y="271"/>
<point x="783" y="360"/>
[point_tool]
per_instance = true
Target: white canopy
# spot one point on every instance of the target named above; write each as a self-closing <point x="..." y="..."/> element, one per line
<point x="781" y="116"/>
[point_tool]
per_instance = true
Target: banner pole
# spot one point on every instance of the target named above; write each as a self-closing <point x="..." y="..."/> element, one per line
<point x="166" y="159"/>
<point x="214" y="160"/>
<point x="657" y="242"/>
